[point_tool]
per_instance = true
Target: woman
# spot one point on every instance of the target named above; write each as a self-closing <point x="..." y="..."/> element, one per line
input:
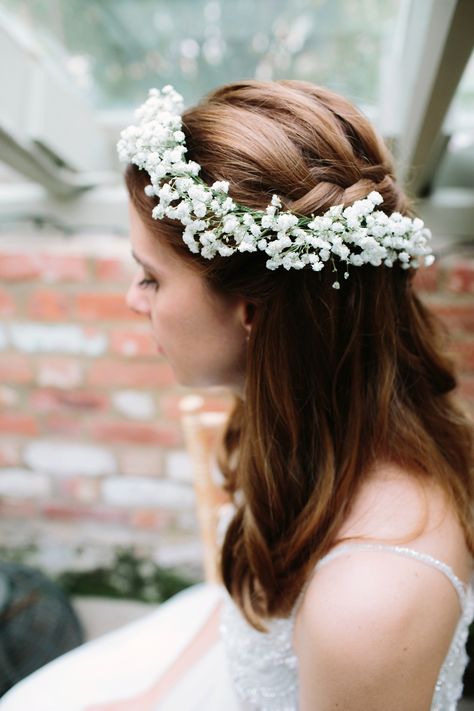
<point x="349" y="557"/>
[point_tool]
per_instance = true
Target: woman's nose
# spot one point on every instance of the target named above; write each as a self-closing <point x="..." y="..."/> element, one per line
<point x="136" y="299"/>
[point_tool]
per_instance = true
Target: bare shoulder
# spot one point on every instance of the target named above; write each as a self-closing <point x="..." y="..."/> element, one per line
<point x="372" y="632"/>
<point x="395" y="507"/>
<point x="375" y="619"/>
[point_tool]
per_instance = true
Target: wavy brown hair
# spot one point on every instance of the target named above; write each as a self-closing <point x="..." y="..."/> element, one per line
<point x="336" y="380"/>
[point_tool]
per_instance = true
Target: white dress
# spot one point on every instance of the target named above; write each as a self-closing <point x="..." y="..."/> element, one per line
<point x="243" y="670"/>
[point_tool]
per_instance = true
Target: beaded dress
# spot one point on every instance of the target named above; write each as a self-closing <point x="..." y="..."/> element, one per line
<point x="264" y="666"/>
<point x="245" y="670"/>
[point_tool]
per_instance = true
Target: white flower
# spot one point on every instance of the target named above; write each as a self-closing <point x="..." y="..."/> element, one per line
<point x="356" y="260"/>
<point x="230" y="223"/>
<point x="375" y="198"/>
<point x="357" y="234"/>
<point x="247" y="246"/>
<point x="198" y="193"/>
<point x="285" y="222"/>
<point x="227" y="205"/>
<point x="220" y="186"/>
<point x="182" y="210"/>
<point x="183" y="185"/>
<point x="267" y="221"/>
<point x="199" y="208"/>
<point x="158" y="212"/>
<point x="225" y="251"/>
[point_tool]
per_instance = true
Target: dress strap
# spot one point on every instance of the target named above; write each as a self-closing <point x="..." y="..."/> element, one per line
<point x="460" y="587"/>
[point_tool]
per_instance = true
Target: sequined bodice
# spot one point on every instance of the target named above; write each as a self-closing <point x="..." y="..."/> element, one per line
<point x="264" y="666"/>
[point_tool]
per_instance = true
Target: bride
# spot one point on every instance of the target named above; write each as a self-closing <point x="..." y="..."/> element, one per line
<point x="275" y="256"/>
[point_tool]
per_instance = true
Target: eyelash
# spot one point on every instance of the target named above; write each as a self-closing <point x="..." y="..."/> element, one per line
<point x="145" y="283"/>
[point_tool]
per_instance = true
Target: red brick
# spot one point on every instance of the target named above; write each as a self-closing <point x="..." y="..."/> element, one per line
<point x="426" y="279"/>
<point x="14" y="423"/>
<point x="457" y="317"/>
<point x="108" y="372"/>
<point x="123" y="432"/>
<point x="9" y="454"/>
<point x="19" y="266"/>
<point x="21" y="509"/>
<point x="49" y="267"/>
<point x="102" y="306"/>
<point x="463" y="352"/>
<point x="116" y="270"/>
<point x="64" y="511"/>
<point x="150" y="519"/>
<point x="132" y="343"/>
<point x="8" y="396"/>
<point x="62" y="424"/>
<point x="50" y="400"/>
<point x="466" y="387"/>
<point x="461" y="278"/>
<point x="48" y="305"/>
<point x="140" y="461"/>
<point x="15" y="368"/>
<point x="7" y="305"/>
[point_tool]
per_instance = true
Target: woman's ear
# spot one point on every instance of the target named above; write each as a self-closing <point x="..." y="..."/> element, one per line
<point x="247" y="315"/>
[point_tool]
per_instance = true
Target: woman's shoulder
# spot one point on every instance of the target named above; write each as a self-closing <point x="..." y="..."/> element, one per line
<point x="394" y="510"/>
<point x="367" y="610"/>
<point x="398" y="508"/>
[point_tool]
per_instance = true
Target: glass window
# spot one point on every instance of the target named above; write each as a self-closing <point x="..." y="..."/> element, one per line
<point x="117" y="49"/>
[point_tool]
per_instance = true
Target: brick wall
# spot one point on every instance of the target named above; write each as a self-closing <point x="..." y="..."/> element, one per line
<point x="91" y="450"/>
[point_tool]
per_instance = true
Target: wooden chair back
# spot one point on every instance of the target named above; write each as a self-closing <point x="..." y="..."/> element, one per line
<point x="202" y="432"/>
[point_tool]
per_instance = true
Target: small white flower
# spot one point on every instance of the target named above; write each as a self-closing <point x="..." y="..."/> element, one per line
<point x="285" y="222"/>
<point x="227" y="205"/>
<point x="356" y="260"/>
<point x="230" y="223"/>
<point x="199" y="208"/>
<point x="220" y="186"/>
<point x="225" y="251"/>
<point x="247" y="246"/>
<point x="357" y="234"/>
<point x="158" y="212"/>
<point x="268" y="221"/>
<point x="375" y="198"/>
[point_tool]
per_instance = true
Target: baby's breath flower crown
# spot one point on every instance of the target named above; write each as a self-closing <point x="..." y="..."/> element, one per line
<point x="215" y="224"/>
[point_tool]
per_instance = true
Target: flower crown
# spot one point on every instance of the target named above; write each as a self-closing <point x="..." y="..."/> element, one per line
<point x="215" y="224"/>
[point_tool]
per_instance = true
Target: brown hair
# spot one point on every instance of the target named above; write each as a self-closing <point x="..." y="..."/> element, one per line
<point x="336" y="379"/>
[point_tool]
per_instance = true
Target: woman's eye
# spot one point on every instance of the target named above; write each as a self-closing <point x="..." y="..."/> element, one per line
<point x="146" y="283"/>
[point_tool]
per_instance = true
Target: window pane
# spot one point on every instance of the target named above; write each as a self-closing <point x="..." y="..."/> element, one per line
<point x="117" y="49"/>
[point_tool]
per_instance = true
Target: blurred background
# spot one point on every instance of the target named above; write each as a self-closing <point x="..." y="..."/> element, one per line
<point x="95" y="478"/>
